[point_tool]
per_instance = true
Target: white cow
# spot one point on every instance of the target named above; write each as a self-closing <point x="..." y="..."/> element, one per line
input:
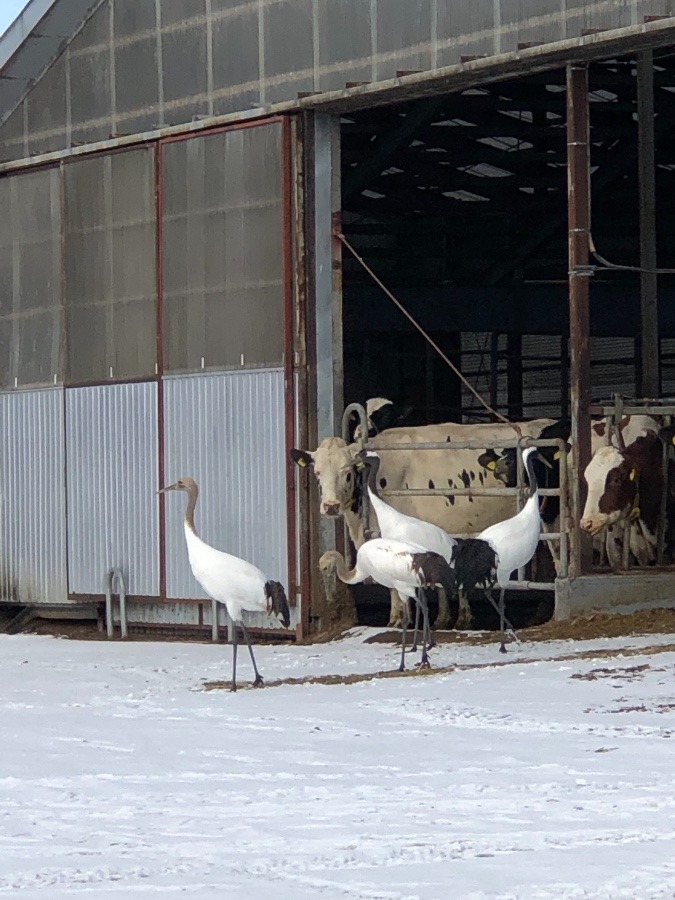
<point x="333" y="466"/>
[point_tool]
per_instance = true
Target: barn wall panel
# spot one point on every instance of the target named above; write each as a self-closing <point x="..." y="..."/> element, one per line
<point x="135" y="66"/>
<point x="226" y="431"/>
<point x="112" y="471"/>
<point x="32" y="497"/>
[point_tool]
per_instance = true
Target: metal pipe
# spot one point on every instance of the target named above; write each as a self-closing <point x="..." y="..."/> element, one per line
<point x="649" y="314"/>
<point x="565" y="523"/>
<point x="465" y="492"/>
<point x="485" y="444"/>
<point x="360" y="410"/>
<point x="578" y="200"/>
<point x="109" y="622"/>
<point x="661" y="526"/>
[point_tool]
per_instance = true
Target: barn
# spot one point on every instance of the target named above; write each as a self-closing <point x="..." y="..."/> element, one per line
<point x="189" y="191"/>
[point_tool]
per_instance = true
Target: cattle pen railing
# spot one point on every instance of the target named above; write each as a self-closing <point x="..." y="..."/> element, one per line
<point x="561" y="492"/>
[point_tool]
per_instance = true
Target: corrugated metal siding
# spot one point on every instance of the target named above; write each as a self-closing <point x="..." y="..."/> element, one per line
<point x="112" y="466"/>
<point x="32" y="497"/>
<point x="227" y="431"/>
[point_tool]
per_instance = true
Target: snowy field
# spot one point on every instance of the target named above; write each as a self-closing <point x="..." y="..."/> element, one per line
<point x="545" y="773"/>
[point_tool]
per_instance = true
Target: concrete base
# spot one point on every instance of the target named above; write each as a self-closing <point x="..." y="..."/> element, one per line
<point x="623" y="594"/>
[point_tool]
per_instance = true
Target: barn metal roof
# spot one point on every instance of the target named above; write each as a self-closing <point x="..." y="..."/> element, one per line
<point x="471" y="188"/>
<point x="33" y="41"/>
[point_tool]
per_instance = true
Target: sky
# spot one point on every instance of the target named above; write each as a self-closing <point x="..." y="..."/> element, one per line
<point x="9" y="10"/>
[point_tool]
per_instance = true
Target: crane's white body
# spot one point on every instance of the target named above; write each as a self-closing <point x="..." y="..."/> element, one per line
<point x="400" y="527"/>
<point x="229" y="580"/>
<point x="389" y="563"/>
<point x="515" y="540"/>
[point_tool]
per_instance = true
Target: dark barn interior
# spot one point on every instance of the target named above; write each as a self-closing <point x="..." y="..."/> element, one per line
<point x="459" y="204"/>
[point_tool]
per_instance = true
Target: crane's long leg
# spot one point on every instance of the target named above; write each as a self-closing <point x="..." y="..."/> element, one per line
<point x="258" y="679"/>
<point x="234" y="657"/>
<point x="502" y="618"/>
<point x="511" y="629"/>
<point x="405" y="618"/>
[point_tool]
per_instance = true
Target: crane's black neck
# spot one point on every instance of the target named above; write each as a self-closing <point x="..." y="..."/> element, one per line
<point x="193" y="491"/>
<point x="372" y="468"/>
<point x="531" y="476"/>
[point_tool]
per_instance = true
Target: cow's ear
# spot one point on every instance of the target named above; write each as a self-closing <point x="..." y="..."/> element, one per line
<point x="302" y="458"/>
<point x="488" y="460"/>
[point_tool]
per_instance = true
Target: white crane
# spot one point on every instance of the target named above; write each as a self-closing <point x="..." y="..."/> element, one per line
<point x="238" y="585"/>
<point x="406" y="567"/>
<point x="515" y="540"/>
<point x="401" y="527"/>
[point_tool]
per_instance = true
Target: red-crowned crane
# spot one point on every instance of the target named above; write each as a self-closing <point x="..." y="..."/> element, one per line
<point x="401" y="527"/>
<point x="406" y="567"/>
<point x="515" y="540"/>
<point x="237" y="584"/>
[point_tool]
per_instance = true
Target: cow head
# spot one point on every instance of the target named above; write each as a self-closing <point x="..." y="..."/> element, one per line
<point x="623" y="483"/>
<point x="333" y="463"/>
<point x="381" y="414"/>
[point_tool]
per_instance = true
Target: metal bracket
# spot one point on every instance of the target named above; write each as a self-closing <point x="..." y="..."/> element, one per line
<point x="111" y="574"/>
<point x="583" y="271"/>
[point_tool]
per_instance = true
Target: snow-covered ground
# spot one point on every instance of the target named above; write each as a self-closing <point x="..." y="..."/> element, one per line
<point x="533" y="775"/>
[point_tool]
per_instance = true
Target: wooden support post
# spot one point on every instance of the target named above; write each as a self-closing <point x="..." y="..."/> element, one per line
<point x="649" y="383"/>
<point x="514" y="375"/>
<point x="579" y="205"/>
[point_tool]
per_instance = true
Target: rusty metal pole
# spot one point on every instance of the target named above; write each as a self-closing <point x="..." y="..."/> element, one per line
<point x="649" y="384"/>
<point x="579" y="215"/>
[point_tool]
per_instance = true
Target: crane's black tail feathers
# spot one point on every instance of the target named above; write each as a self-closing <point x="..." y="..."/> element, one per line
<point x="475" y="563"/>
<point x="434" y="570"/>
<point x="277" y="604"/>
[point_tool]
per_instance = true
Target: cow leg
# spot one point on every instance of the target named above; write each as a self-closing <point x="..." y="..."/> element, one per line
<point x="614" y="547"/>
<point x="443" y="616"/>
<point x="642" y="544"/>
<point x="465" y="617"/>
<point x="396" y="606"/>
<point x="413" y="646"/>
<point x="424" y="661"/>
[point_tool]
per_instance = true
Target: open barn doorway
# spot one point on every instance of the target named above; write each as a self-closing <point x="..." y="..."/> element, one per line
<point x="459" y="204"/>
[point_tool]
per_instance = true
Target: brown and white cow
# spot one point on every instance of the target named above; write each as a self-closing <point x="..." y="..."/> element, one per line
<point x="333" y="465"/>
<point x="626" y="486"/>
<point x="504" y="467"/>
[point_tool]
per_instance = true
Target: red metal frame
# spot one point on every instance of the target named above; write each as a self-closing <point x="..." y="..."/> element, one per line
<point x="159" y="310"/>
<point x="289" y="368"/>
<point x="288" y="345"/>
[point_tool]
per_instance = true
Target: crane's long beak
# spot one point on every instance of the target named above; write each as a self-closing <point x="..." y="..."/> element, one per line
<point x="543" y="459"/>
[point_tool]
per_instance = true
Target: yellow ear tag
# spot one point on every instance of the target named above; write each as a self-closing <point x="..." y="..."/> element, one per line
<point x="359" y="464"/>
<point x="672" y="440"/>
<point x="492" y="465"/>
<point x="633" y="473"/>
<point x="301" y="462"/>
<point x="634" y="513"/>
<point x="556" y="455"/>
